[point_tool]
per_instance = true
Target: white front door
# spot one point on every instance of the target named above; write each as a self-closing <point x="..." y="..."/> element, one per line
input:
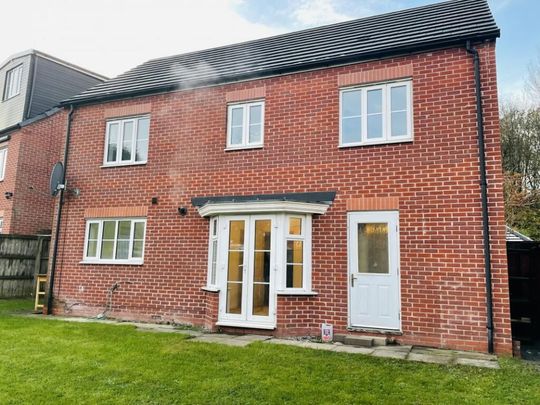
<point x="374" y="299"/>
<point x="247" y="279"/>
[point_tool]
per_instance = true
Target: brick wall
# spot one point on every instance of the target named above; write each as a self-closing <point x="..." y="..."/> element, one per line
<point x="434" y="180"/>
<point x="32" y="152"/>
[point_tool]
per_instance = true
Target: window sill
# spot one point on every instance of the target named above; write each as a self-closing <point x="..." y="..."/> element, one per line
<point x="210" y="289"/>
<point x="233" y="148"/>
<point x="112" y="262"/>
<point x="105" y="166"/>
<point x="292" y="292"/>
<point x="377" y="142"/>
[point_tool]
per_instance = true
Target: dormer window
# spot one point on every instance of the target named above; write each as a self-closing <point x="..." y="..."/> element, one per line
<point x="12" y="85"/>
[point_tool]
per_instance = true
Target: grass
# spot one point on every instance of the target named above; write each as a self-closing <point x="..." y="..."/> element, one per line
<point x="44" y="361"/>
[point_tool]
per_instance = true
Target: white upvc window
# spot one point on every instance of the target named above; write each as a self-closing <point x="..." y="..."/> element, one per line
<point x="115" y="241"/>
<point x="297" y="266"/>
<point x="12" y="85"/>
<point x="376" y="114"/>
<point x="1" y="224"/>
<point x="126" y="141"/>
<point x="213" y="253"/>
<point x="245" y="125"/>
<point x="3" y="162"/>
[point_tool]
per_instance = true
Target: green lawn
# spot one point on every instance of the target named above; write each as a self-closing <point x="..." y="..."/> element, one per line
<point x="55" y="362"/>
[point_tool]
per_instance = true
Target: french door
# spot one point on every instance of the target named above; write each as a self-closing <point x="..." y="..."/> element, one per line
<point x="247" y="275"/>
<point x="374" y="299"/>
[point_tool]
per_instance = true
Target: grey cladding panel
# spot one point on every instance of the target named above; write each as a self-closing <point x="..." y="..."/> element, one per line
<point x="54" y="82"/>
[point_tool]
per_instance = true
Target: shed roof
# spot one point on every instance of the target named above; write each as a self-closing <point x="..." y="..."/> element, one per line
<point x="428" y="27"/>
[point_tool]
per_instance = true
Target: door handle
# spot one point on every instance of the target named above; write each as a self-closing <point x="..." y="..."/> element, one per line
<point x="352" y="279"/>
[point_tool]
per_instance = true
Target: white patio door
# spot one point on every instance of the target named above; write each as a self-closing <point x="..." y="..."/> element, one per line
<point x="247" y="282"/>
<point x="374" y="296"/>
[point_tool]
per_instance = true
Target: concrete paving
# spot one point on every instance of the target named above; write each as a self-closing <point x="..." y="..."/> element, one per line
<point x="412" y="353"/>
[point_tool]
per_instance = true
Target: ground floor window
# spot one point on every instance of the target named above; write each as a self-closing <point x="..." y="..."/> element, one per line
<point x="115" y="241"/>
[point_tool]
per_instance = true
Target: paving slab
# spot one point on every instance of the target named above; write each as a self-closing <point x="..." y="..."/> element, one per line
<point x="474" y="355"/>
<point x="430" y="358"/>
<point x="253" y="338"/>
<point x="353" y="350"/>
<point x="392" y="354"/>
<point x="477" y="363"/>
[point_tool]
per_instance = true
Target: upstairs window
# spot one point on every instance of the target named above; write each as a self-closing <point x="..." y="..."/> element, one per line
<point x="3" y="160"/>
<point x="245" y="125"/>
<point x="115" y="241"/>
<point x="127" y="141"/>
<point x="376" y="114"/>
<point x="12" y="86"/>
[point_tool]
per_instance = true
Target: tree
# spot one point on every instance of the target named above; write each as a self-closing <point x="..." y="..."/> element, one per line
<point x="520" y="141"/>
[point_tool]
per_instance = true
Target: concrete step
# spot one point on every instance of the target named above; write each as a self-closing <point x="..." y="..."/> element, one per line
<point x="360" y="341"/>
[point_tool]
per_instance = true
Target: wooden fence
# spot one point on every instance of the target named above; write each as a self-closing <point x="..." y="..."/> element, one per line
<point x="22" y="257"/>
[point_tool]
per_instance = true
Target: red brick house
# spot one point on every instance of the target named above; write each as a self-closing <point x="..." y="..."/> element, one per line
<point x="327" y="175"/>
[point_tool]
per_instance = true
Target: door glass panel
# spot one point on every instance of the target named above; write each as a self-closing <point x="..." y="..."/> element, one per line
<point x="261" y="267"/>
<point x="261" y="299"/>
<point x="234" y="298"/>
<point x="235" y="271"/>
<point x="373" y="248"/>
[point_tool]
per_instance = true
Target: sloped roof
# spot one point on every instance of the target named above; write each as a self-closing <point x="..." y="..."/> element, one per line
<point x="514" y="236"/>
<point x="437" y="25"/>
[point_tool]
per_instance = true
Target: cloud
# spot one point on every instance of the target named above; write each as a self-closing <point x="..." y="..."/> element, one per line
<point x="317" y="12"/>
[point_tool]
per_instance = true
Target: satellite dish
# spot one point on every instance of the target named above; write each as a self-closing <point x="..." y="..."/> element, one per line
<point x="57" y="177"/>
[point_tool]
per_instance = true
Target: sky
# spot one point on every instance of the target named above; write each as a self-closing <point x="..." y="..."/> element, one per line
<point x="112" y="36"/>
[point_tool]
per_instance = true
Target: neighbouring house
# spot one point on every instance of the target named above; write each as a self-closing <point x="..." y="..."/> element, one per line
<point x="327" y="175"/>
<point x="32" y="135"/>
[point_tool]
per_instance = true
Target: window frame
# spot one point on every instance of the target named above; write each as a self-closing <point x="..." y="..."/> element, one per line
<point x="387" y="137"/>
<point x="121" y="122"/>
<point x="305" y="237"/>
<point x="3" y="151"/>
<point x="113" y="261"/>
<point x="245" y="105"/>
<point x="9" y="82"/>
<point x="1" y="225"/>
<point x="213" y="285"/>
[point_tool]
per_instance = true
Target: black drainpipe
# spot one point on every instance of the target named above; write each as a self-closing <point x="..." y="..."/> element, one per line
<point x="59" y="215"/>
<point x="483" y="186"/>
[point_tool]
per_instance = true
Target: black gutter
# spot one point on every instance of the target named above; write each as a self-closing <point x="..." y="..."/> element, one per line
<point x="59" y="215"/>
<point x="483" y="187"/>
<point x="320" y="64"/>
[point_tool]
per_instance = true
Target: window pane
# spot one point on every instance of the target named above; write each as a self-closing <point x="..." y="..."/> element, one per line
<point x="122" y="249"/>
<point x="137" y="249"/>
<point x="262" y="234"/>
<point x="261" y="271"/>
<point x="294" y="276"/>
<point x="91" y="249"/>
<point x="109" y="228"/>
<point x="124" y="230"/>
<point x="351" y="103"/>
<point x="236" y="266"/>
<point x="236" y="135"/>
<point x="234" y="298"/>
<point x="127" y="140"/>
<point x="255" y="133"/>
<point x="236" y="235"/>
<point x="237" y="117"/>
<point x="113" y="143"/>
<point x="295" y="251"/>
<point x="93" y="231"/>
<point x="214" y="263"/>
<point x="143" y="126"/>
<point x="295" y="226"/>
<point x="255" y="114"/>
<point x="107" y="248"/>
<point x="374" y="101"/>
<point x="139" y="230"/>
<point x="214" y="227"/>
<point x="399" y="123"/>
<point x="261" y="299"/>
<point x="373" y="248"/>
<point x="351" y="130"/>
<point x="374" y="126"/>
<point x="398" y="97"/>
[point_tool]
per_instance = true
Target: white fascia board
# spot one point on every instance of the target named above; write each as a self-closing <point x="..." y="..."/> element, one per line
<point x="210" y="209"/>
